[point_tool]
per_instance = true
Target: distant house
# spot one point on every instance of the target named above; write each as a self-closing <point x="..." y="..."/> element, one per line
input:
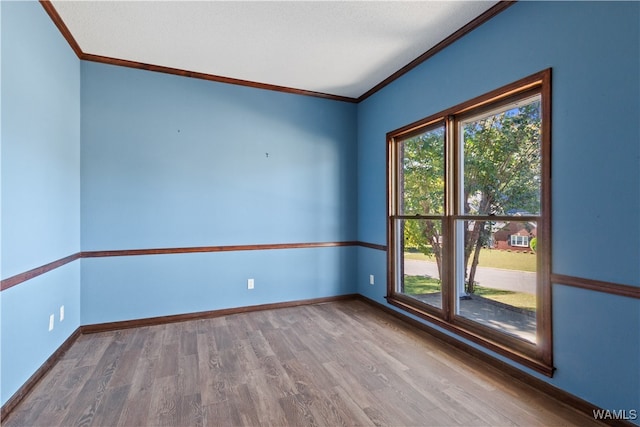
<point x="514" y="236"/>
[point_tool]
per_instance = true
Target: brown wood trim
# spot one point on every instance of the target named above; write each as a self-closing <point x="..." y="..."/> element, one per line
<point x="481" y="19"/>
<point x="23" y="277"/>
<point x="541" y="79"/>
<point x="538" y="357"/>
<point x="23" y="391"/>
<point x="568" y="399"/>
<point x="211" y="77"/>
<point x="590" y="284"/>
<point x="597" y="285"/>
<point x="153" y="321"/>
<point x="64" y="30"/>
<point x="560" y="395"/>
<point x="544" y="299"/>
<point x="228" y="248"/>
<point x="55" y="17"/>
<point x="62" y="27"/>
<point x="373" y="246"/>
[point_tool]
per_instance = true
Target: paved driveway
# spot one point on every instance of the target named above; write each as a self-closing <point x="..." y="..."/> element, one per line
<point x="509" y="280"/>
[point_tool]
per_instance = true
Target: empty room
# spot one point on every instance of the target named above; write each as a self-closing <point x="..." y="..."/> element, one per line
<point x="330" y="213"/>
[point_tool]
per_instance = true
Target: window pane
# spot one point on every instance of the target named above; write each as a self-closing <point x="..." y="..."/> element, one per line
<point x="501" y="165"/>
<point x="496" y="279"/>
<point x="422" y="173"/>
<point x="421" y="260"/>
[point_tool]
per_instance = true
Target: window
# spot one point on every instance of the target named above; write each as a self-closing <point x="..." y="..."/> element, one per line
<point x="521" y="241"/>
<point x="468" y="222"/>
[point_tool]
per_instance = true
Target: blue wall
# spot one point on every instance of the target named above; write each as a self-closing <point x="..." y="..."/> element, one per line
<point x="593" y="49"/>
<point x="122" y="288"/>
<point x="169" y="161"/>
<point x="40" y="188"/>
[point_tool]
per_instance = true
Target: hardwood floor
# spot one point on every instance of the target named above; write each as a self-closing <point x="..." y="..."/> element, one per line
<point x="336" y="364"/>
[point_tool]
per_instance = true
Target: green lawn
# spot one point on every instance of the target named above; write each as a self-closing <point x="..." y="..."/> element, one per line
<point x="417" y="285"/>
<point x="494" y="258"/>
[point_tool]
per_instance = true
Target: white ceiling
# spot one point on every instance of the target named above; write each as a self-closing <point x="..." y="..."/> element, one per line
<point x="340" y="48"/>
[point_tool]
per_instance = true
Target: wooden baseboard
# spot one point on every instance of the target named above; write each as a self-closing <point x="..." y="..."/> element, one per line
<point x="23" y="391"/>
<point x="26" y="388"/>
<point x="570" y="400"/>
<point x="152" y="321"/>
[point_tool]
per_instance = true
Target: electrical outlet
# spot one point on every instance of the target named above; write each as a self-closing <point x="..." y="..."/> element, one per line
<point x="372" y="279"/>
<point x="250" y="284"/>
<point x="52" y="319"/>
<point x="61" y="313"/>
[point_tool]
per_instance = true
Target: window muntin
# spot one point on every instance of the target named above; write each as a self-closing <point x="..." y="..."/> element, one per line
<point x="495" y="197"/>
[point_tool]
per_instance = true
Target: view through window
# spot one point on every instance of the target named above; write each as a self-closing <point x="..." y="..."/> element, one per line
<point x="469" y="201"/>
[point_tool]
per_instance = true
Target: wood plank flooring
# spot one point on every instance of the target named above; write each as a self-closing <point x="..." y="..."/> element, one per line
<point x="335" y="364"/>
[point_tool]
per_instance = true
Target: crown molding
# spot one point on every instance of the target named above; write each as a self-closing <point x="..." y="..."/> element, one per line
<point x="64" y="30"/>
<point x="466" y="29"/>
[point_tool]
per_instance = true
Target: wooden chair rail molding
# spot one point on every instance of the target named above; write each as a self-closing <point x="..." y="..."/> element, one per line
<point x="597" y="285"/>
<point x="27" y="275"/>
<point x="629" y="291"/>
<point x="35" y="272"/>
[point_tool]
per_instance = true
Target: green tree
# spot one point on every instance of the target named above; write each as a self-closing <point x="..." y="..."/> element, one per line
<point x="500" y="176"/>
<point x="501" y="173"/>
<point x="423" y="183"/>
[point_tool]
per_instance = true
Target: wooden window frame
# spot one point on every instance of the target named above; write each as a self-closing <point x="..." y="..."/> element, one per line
<point x="537" y="356"/>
